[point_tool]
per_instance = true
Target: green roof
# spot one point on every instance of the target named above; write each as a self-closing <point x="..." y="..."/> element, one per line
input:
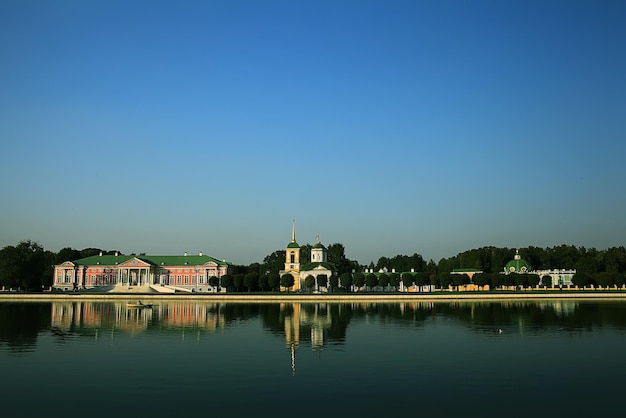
<point x="293" y="244"/>
<point x="517" y="266"/>
<point x="156" y="260"/>
<point x="319" y="245"/>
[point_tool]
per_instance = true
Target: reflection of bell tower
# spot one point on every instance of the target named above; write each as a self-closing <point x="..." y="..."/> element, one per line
<point x="292" y="259"/>
<point x="292" y="334"/>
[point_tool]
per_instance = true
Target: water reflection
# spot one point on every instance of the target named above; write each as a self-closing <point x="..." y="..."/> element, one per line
<point x="317" y="324"/>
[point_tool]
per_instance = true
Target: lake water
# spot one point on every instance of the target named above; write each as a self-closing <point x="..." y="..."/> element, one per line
<point x="99" y="359"/>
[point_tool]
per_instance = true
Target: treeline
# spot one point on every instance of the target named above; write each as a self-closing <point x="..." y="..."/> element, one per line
<point x="28" y="267"/>
<point x="584" y="260"/>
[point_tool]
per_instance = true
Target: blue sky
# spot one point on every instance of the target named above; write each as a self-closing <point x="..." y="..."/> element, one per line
<point x="392" y="127"/>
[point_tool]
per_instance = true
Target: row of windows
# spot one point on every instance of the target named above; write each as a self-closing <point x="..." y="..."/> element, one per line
<point x="171" y="279"/>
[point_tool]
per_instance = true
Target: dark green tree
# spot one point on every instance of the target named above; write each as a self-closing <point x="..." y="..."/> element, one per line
<point x="273" y="280"/>
<point x="346" y="281"/>
<point x="274" y="262"/>
<point x="383" y="280"/>
<point x="322" y="280"/>
<point x="422" y="279"/>
<point x="359" y="280"/>
<point x="309" y="282"/>
<point x="371" y="280"/>
<point x="287" y="281"/>
<point x="497" y="279"/>
<point x="546" y="280"/>
<point x="238" y="281"/>
<point x="433" y="278"/>
<point x="460" y="279"/>
<point x="394" y="280"/>
<point x="214" y="281"/>
<point x="408" y="279"/>
<point x="533" y="279"/>
<point x="251" y="280"/>
<point x="581" y="279"/>
<point x="445" y="280"/>
<point x="333" y="281"/>
<point x="481" y="279"/>
<point x="227" y="281"/>
<point x="22" y="267"/>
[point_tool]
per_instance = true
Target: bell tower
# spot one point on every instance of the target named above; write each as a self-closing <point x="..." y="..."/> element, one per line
<point x="292" y="258"/>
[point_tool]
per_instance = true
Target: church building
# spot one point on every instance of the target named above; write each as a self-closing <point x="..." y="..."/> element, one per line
<point x="317" y="267"/>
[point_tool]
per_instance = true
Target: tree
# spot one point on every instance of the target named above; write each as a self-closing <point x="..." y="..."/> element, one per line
<point x="533" y="279"/>
<point x="408" y="279"/>
<point x="581" y="279"/>
<point x="274" y="262"/>
<point x="521" y="280"/>
<point x="497" y="279"/>
<point x="251" y="280"/>
<point x="394" y="280"/>
<point x="460" y="279"/>
<point x="346" y="281"/>
<point x="214" y="282"/>
<point x="273" y="280"/>
<point x="445" y="280"/>
<point x="421" y="279"/>
<point x="334" y="281"/>
<point x="227" y="281"/>
<point x="309" y="282"/>
<point x="322" y="280"/>
<point x="337" y="255"/>
<point x="433" y="278"/>
<point x="263" y="282"/>
<point x="67" y="254"/>
<point x="481" y="279"/>
<point x="546" y="280"/>
<point x="238" y="281"/>
<point x="22" y="267"/>
<point x="287" y="281"/>
<point x="359" y="280"/>
<point x="383" y="281"/>
<point x="371" y="280"/>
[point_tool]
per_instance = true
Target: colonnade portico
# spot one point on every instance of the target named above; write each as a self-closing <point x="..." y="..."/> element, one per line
<point x="134" y="276"/>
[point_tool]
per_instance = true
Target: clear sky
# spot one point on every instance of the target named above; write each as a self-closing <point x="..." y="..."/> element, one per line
<point x="392" y="127"/>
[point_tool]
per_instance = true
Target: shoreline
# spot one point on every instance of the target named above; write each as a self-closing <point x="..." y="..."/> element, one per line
<point x="297" y="298"/>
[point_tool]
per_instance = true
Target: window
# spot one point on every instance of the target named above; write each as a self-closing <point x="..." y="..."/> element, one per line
<point x="179" y="279"/>
<point x="186" y="279"/>
<point x="193" y="279"/>
<point x="201" y="279"/>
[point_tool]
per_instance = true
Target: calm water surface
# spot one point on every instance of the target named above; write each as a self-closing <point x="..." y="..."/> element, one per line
<point x="564" y="358"/>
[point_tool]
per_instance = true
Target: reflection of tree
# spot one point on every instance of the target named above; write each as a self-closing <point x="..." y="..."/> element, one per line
<point x="20" y="323"/>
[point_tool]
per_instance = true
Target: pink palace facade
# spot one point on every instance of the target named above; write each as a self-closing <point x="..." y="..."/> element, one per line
<point x="170" y="273"/>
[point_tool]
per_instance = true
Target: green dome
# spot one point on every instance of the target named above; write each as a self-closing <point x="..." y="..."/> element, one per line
<point x="293" y="244"/>
<point x="319" y="245"/>
<point x="517" y="265"/>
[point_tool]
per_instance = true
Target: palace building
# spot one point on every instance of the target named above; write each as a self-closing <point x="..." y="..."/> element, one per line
<point x="140" y="273"/>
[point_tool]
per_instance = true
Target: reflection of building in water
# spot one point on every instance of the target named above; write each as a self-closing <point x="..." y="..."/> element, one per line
<point x="121" y="315"/>
<point x="316" y="318"/>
